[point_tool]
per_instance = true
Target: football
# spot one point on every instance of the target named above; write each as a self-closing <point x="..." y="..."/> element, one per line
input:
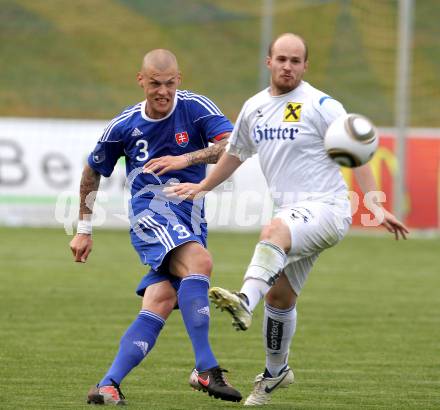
<point x="351" y="140"/>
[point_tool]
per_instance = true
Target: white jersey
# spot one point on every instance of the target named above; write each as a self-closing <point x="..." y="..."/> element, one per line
<point x="287" y="132"/>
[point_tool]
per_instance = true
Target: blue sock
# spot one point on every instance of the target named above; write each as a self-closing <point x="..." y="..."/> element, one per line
<point x="194" y="305"/>
<point x="137" y="341"/>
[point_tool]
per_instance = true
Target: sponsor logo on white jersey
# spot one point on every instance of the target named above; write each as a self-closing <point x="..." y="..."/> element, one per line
<point x="292" y="112"/>
<point x="267" y="133"/>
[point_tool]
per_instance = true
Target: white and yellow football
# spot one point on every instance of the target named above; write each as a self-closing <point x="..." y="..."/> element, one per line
<point x="351" y="140"/>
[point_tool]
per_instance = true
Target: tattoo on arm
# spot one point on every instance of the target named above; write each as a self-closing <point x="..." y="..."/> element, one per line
<point x="87" y="191"/>
<point x="209" y="155"/>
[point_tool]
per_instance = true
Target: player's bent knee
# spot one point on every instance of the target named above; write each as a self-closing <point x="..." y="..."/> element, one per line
<point x="272" y="229"/>
<point x="161" y="307"/>
<point x="160" y="299"/>
<point x="266" y="233"/>
<point x="168" y="304"/>
<point x="199" y="260"/>
<point x="277" y="233"/>
<point x="191" y="258"/>
<point x="202" y="264"/>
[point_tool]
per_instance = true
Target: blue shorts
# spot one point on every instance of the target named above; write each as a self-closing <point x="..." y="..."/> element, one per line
<point x="154" y="276"/>
<point x="154" y="236"/>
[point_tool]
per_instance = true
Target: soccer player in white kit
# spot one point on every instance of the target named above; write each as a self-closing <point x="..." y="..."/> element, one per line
<point x="285" y="124"/>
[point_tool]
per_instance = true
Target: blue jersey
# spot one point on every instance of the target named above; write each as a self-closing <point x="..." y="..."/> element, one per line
<point x="158" y="224"/>
<point x="193" y="122"/>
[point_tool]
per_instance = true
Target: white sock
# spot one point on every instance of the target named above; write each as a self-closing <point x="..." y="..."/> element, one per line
<point x="266" y="264"/>
<point x="255" y="290"/>
<point x="278" y="329"/>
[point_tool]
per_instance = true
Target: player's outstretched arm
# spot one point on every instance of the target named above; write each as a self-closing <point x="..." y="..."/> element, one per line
<point x="364" y="177"/>
<point x="209" y="155"/>
<point x="81" y="244"/>
<point x="222" y="171"/>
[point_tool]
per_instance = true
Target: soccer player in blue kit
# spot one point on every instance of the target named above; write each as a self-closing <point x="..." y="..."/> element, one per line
<point x="163" y="139"/>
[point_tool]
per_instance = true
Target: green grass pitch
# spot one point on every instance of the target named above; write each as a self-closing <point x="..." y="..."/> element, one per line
<point x="367" y="338"/>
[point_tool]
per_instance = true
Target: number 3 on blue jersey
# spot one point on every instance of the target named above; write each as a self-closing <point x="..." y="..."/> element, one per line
<point x="143" y="156"/>
<point x="181" y="230"/>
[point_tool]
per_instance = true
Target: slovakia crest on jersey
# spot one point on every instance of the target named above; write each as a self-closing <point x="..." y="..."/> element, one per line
<point x="182" y="139"/>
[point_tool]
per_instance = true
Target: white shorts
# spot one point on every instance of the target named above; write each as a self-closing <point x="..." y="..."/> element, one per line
<point x="314" y="227"/>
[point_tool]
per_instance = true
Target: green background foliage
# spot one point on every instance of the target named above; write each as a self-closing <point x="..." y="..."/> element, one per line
<point x="79" y="58"/>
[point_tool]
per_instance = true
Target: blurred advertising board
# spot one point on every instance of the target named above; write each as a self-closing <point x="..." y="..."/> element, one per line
<point x="41" y="161"/>
<point x="422" y="174"/>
